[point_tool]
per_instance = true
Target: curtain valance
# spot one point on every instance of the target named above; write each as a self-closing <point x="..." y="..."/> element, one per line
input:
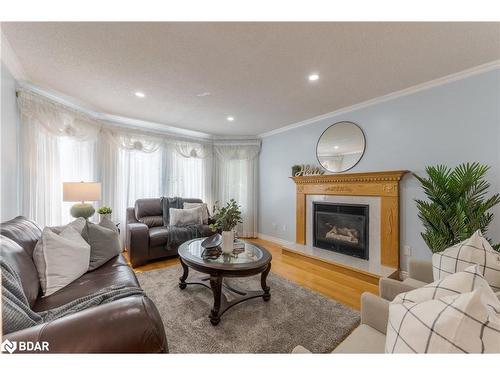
<point x="56" y="118"/>
<point x="60" y="120"/>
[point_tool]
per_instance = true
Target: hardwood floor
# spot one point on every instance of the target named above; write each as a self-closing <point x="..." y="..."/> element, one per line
<point x="343" y="288"/>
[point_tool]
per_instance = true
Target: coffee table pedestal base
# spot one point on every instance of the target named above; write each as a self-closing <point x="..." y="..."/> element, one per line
<point x="216" y="283"/>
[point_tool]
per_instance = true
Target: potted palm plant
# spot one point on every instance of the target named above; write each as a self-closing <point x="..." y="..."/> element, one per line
<point x="225" y="220"/>
<point x="457" y="205"/>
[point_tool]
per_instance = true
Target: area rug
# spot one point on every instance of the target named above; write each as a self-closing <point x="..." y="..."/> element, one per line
<point x="294" y="316"/>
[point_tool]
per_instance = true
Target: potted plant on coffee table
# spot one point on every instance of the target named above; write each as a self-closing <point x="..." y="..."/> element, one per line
<point x="225" y="220"/>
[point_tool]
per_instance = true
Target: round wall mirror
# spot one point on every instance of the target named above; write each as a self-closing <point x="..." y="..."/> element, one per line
<point x="341" y="146"/>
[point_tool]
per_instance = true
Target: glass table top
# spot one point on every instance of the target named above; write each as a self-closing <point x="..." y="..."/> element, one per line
<point x="249" y="253"/>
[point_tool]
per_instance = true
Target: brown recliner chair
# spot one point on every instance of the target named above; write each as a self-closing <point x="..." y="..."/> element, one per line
<point x="146" y="236"/>
<point x="128" y="325"/>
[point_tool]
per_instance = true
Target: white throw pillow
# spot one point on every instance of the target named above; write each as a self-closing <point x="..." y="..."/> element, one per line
<point x="204" y="212"/>
<point x="77" y="224"/>
<point x="461" y="282"/>
<point x="475" y="250"/>
<point x="453" y="323"/>
<point x="188" y="216"/>
<point x="60" y="258"/>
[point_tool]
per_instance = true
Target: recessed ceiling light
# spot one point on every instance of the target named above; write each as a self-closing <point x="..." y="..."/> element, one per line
<point x="140" y="94"/>
<point x="313" y="77"/>
<point x="336" y="147"/>
<point x="230" y="118"/>
<point x="202" y="94"/>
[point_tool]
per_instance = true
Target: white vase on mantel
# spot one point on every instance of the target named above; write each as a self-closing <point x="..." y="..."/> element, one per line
<point x="227" y="241"/>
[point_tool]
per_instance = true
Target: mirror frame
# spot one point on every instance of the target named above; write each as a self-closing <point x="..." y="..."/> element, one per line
<point x="362" y="153"/>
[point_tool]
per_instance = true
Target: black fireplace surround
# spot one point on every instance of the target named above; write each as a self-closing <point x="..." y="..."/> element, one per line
<point x="342" y="228"/>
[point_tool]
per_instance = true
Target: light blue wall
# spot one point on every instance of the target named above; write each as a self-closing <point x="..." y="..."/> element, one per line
<point x="9" y="147"/>
<point x="449" y="124"/>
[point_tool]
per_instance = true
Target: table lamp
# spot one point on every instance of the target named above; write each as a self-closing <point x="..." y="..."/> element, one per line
<point x="81" y="192"/>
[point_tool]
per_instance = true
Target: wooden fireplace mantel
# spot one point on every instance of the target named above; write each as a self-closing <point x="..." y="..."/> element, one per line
<point x="375" y="184"/>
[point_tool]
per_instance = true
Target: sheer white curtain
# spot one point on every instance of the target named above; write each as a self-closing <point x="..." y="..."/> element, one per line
<point x="236" y="177"/>
<point x="57" y="146"/>
<point x="60" y="144"/>
<point x="135" y="166"/>
<point x="188" y="171"/>
<point x="130" y="166"/>
<point x="77" y="162"/>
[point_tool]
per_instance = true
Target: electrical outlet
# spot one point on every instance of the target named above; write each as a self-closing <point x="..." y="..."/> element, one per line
<point x="407" y="250"/>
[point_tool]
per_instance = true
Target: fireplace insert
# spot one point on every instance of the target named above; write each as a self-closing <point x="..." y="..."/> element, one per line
<point x="342" y="228"/>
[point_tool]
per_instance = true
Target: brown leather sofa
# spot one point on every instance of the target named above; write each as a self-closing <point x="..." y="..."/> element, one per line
<point x="146" y="236"/>
<point x="127" y="325"/>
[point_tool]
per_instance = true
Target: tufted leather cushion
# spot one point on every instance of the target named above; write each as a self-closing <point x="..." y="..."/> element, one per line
<point x="158" y="236"/>
<point x="149" y="211"/>
<point x="23" y="231"/>
<point x="18" y="258"/>
<point x="152" y="221"/>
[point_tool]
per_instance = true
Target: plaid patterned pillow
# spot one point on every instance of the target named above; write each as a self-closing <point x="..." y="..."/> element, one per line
<point x="465" y="281"/>
<point x="475" y="250"/>
<point x="452" y="323"/>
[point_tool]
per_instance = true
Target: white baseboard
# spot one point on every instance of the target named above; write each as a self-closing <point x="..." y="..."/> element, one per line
<point x="277" y="240"/>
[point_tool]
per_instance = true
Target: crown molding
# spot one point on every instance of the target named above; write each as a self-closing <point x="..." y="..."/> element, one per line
<point x="149" y="125"/>
<point x="121" y="121"/>
<point x="10" y="59"/>
<point x="396" y="94"/>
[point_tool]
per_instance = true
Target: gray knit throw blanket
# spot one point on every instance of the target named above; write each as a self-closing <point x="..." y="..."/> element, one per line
<point x="17" y="313"/>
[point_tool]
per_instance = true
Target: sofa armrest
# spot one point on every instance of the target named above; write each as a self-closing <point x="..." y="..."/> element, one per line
<point x="390" y="288"/>
<point x="420" y="270"/>
<point x="137" y="243"/>
<point x="128" y="325"/>
<point x="374" y="311"/>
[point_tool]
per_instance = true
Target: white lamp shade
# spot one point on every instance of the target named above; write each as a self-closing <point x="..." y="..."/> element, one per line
<point x="81" y="191"/>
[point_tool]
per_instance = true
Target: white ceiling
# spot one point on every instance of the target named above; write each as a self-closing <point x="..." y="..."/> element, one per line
<point x="256" y="72"/>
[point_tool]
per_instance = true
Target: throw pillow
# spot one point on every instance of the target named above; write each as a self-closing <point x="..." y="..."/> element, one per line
<point x="461" y="282"/>
<point x="475" y="250"/>
<point x="167" y="204"/>
<point x="204" y="207"/>
<point x="77" y="224"/>
<point x="188" y="216"/>
<point x="108" y="223"/>
<point x="104" y="244"/>
<point x="60" y="258"/>
<point x="460" y="323"/>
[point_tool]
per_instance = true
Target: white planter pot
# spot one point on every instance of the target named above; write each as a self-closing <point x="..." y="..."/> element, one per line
<point x="105" y="217"/>
<point x="227" y="242"/>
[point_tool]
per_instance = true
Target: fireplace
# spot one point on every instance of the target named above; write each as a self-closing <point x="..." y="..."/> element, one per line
<point x="342" y="228"/>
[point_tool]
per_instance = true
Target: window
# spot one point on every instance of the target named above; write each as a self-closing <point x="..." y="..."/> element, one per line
<point x="76" y="163"/>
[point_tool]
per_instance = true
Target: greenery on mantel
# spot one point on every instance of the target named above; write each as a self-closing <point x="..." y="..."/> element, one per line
<point x="227" y="217"/>
<point x="457" y="204"/>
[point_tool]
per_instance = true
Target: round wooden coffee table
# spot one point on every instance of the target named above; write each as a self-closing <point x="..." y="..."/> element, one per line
<point x="251" y="260"/>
